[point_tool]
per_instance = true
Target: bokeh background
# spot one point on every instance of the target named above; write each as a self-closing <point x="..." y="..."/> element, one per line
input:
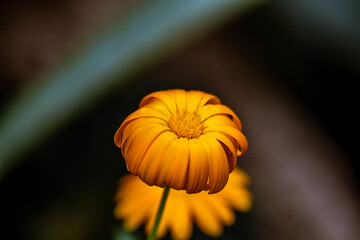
<point x="71" y="71"/>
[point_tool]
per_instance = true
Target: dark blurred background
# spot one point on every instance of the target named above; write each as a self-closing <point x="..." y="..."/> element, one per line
<point x="288" y="68"/>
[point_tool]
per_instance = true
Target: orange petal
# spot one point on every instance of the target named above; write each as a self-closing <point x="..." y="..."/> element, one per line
<point x="158" y="105"/>
<point x="239" y="197"/>
<point x="218" y="164"/>
<point x="221" y="209"/>
<point x="193" y="100"/>
<point x="218" y="120"/>
<point x="128" y="143"/>
<point x="208" y="99"/>
<point x="211" y="110"/>
<point x="206" y="220"/>
<point x="233" y="132"/>
<point x="180" y="220"/>
<point x="137" y="215"/>
<point x="228" y="143"/>
<point x="140" y="113"/>
<point x="198" y="170"/>
<point x="165" y="219"/>
<point x="162" y="96"/>
<point x="174" y="165"/>
<point x="136" y="126"/>
<point x="140" y="145"/>
<point x="180" y="98"/>
<point x="153" y="157"/>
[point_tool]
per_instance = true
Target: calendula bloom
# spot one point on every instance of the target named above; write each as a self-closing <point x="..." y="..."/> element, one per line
<point x="137" y="204"/>
<point x="182" y="139"/>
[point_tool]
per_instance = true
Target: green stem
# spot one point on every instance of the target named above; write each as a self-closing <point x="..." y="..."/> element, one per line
<point x="152" y="235"/>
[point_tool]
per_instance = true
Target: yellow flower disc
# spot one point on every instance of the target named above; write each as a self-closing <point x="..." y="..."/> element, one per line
<point x="136" y="201"/>
<point x="182" y="139"/>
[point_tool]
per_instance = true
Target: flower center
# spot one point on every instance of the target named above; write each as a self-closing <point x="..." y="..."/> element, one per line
<point x="186" y="125"/>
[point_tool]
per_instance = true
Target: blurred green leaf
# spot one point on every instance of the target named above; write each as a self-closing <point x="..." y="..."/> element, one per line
<point x="121" y="234"/>
<point x="147" y="35"/>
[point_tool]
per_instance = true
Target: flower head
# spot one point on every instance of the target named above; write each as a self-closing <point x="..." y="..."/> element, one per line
<point x="136" y="201"/>
<point x="182" y="139"/>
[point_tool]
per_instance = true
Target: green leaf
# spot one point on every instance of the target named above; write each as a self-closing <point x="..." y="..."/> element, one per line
<point x="121" y="234"/>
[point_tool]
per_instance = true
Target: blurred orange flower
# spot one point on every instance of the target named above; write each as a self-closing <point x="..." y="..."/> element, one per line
<point x="137" y="204"/>
<point x="182" y="139"/>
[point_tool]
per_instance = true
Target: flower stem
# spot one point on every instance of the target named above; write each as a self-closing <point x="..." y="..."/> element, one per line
<point x="152" y="235"/>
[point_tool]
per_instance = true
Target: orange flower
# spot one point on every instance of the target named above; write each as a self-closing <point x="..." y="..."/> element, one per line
<point x="137" y="204"/>
<point x="182" y="139"/>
